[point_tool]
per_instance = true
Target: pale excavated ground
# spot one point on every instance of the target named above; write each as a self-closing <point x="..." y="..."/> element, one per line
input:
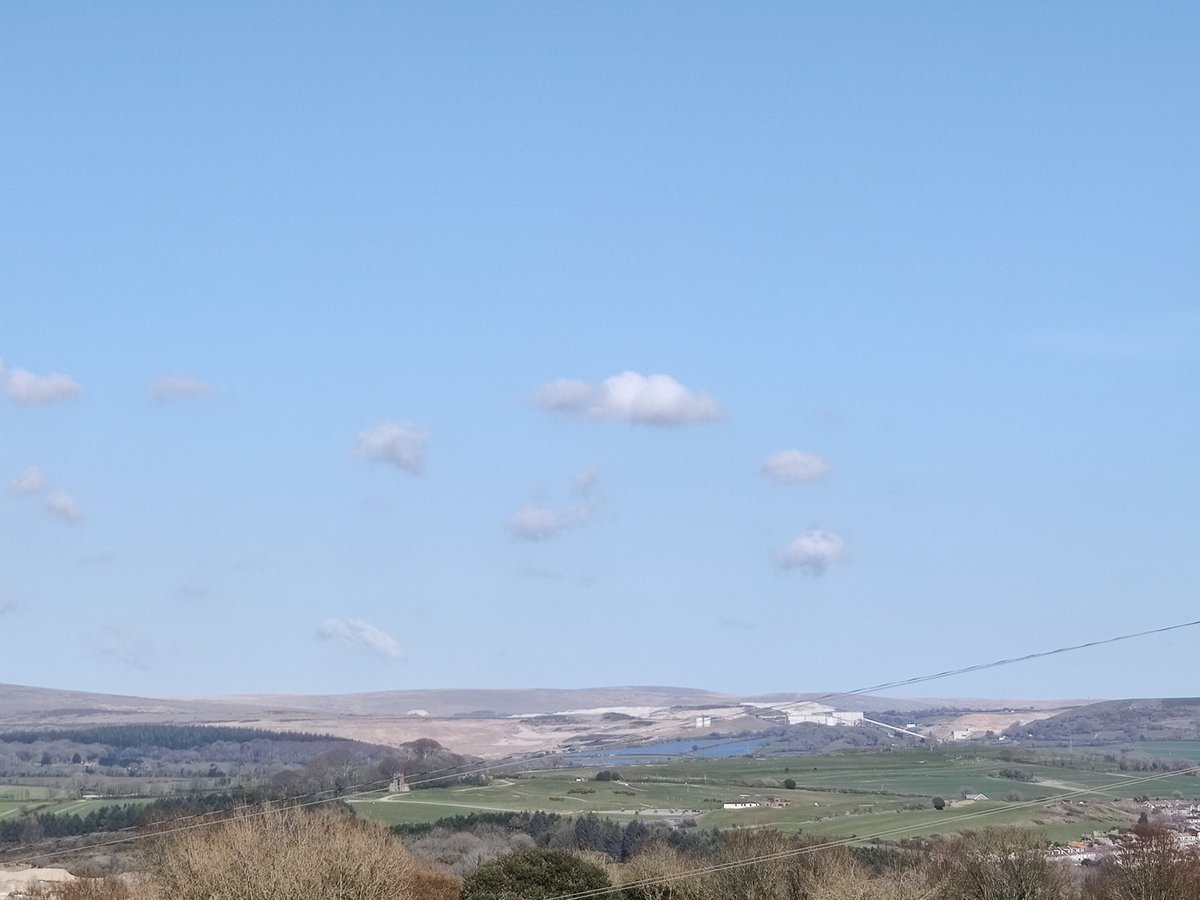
<point x="983" y="722"/>
<point x="12" y="880"/>
<point x="487" y="738"/>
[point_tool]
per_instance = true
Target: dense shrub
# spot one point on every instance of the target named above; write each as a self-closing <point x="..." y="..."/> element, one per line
<point x="766" y="865"/>
<point x="285" y="854"/>
<point x="1016" y="775"/>
<point x="533" y="875"/>
<point x="89" y="889"/>
<point x="999" y="864"/>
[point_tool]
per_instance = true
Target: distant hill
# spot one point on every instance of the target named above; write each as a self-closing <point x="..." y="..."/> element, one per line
<point x="482" y="702"/>
<point x="1115" y="721"/>
<point x="23" y="704"/>
<point x="491" y="723"/>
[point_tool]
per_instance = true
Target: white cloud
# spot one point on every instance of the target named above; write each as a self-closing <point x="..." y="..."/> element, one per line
<point x="63" y="506"/>
<point x="814" y="550"/>
<point x="26" y="387"/>
<point x="795" y="466"/>
<point x="565" y="396"/>
<point x="539" y="523"/>
<point x="630" y="397"/>
<point x="32" y="481"/>
<point x="586" y="479"/>
<point x="177" y="387"/>
<point x="359" y="635"/>
<point x="401" y="444"/>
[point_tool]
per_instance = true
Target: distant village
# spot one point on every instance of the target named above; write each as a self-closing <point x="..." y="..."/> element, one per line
<point x="1180" y="819"/>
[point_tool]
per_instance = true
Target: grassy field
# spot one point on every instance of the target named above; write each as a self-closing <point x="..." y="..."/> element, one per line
<point x="26" y="792"/>
<point x="895" y="823"/>
<point x="924" y="773"/>
<point x="11" y="808"/>
<point x="845" y="795"/>
<point x="1180" y="749"/>
<point x="549" y="794"/>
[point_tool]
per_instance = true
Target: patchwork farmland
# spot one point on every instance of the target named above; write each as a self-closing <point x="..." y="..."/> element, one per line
<point x="842" y="795"/>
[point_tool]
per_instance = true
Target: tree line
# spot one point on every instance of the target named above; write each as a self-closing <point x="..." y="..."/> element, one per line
<point x="167" y="737"/>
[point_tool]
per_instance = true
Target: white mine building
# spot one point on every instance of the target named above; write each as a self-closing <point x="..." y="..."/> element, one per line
<point x="817" y="713"/>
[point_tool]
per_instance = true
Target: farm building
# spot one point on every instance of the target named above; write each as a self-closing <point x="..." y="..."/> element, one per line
<point x="741" y="803"/>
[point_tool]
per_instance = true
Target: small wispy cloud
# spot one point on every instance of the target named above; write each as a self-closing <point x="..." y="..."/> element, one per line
<point x="540" y="523"/>
<point x="586" y="479"/>
<point x="360" y="635"/>
<point x="124" y="647"/>
<point x="733" y="623"/>
<point x="400" y="444"/>
<point x="813" y="551"/>
<point x="63" y="506"/>
<point x="32" y="481"/>
<point x="796" y="467"/>
<point x="59" y="504"/>
<point x="37" y="390"/>
<point x="629" y="397"/>
<point x="165" y="388"/>
<point x="8" y="605"/>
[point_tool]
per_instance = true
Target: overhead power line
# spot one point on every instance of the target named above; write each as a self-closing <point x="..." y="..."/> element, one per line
<point x="948" y="673"/>
<point x="995" y="664"/>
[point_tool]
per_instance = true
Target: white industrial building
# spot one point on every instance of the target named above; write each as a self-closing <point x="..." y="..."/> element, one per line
<point x="834" y="717"/>
<point x="819" y="714"/>
<point x="804" y="711"/>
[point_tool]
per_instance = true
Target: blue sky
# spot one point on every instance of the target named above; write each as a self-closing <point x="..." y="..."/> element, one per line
<point x="357" y="312"/>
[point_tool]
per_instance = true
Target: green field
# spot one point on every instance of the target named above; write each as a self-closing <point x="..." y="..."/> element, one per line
<point x="10" y="808"/>
<point x="863" y="795"/>
<point x="925" y="773"/>
<point x="1168" y="749"/>
<point x="26" y="792"/>
<point x="545" y="793"/>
